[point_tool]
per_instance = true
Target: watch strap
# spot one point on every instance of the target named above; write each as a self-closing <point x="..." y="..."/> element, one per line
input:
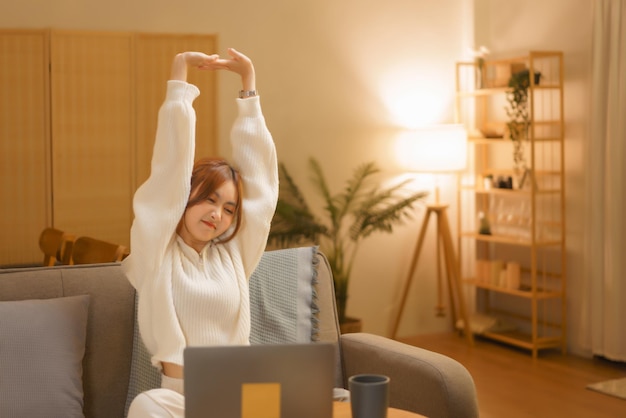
<point x="247" y="93"/>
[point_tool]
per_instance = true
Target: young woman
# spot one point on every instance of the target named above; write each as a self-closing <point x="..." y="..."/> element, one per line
<point x="199" y="230"/>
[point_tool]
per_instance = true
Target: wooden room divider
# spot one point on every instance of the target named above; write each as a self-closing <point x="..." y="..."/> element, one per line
<point x="77" y="123"/>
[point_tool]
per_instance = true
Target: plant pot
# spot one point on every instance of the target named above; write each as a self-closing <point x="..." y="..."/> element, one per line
<point x="341" y="297"/>
<point x="350" y="325"/>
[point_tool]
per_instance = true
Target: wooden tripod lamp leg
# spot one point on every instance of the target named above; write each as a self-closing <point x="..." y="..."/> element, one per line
<point x="452" y="272"/>
<point x="409" y="277"/>
<point x="454" y="280"/>
<point x="440" y="309"/>
<point x="448" y="257"/>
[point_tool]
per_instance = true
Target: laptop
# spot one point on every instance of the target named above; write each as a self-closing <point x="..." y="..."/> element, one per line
<point x="259" y="381"/>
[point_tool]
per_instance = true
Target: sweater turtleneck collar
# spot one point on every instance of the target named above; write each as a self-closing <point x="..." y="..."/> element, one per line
<point x="191" y="253"/>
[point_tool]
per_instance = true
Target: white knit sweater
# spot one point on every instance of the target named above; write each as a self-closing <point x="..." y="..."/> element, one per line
<point x="186" y="298"/>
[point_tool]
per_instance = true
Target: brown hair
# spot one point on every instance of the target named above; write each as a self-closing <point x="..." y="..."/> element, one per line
<point x="207" y="176"/>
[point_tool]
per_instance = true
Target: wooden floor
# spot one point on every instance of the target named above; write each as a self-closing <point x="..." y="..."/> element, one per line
<point x="510" y="384"/>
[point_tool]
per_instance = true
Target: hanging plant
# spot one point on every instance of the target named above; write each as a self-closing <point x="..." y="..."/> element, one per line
<point x="519" y="117"/>
<point x="518" y="111"/>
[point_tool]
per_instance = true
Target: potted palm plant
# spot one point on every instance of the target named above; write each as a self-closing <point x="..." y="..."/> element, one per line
<point x="360" y="209"/>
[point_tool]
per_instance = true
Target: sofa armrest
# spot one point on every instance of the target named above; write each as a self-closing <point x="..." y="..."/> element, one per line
<point x="422" y="381"/>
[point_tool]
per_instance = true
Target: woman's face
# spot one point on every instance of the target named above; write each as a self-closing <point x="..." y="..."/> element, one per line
<point x="209" y="219"/>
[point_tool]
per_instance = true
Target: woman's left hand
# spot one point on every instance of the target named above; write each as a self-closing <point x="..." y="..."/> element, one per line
<point x="239" y="64"/>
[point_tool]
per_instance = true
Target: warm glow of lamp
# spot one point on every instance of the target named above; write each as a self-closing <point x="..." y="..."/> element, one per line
<point x="434" y="149"/>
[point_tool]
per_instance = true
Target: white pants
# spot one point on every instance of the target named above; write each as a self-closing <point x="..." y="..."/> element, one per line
<point x="166" y="402"/>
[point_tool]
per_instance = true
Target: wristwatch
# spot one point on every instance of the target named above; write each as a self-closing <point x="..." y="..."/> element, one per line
<point x="247" y="93"/>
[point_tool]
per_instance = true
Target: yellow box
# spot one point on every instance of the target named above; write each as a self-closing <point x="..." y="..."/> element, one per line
<point x="260" y="400"/>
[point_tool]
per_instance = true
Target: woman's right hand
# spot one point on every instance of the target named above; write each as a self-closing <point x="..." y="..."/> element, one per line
<point x="199" y="60"/>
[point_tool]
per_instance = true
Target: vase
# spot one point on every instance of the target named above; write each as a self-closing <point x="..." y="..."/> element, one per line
<point x="350" y="325"/>
<point x="478" y="82"/>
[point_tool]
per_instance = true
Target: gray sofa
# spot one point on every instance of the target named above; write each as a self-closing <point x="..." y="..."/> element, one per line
<point x="421" y="381"/>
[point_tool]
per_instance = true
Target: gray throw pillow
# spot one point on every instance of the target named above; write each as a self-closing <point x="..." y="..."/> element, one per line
<point x="42" y="344"/>
<point x="283" y="302"/>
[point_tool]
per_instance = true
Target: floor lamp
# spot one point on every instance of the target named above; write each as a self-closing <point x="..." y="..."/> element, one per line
<point x="436" y="150"/>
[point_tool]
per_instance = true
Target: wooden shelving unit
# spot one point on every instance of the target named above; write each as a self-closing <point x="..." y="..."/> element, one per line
<point x="517" y="272"/>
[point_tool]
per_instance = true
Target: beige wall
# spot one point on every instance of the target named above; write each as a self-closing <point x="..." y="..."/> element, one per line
<point x="339" y="79"/>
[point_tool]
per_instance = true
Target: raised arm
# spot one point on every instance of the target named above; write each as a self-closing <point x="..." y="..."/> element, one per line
<point x="254" y="155"/>
<point x="160" y="202"/>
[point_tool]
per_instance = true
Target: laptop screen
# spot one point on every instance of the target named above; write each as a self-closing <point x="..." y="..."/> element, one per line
<point x="259" y="381"/>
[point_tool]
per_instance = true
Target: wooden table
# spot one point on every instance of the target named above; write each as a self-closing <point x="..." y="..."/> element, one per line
<point x="342" y="410"/>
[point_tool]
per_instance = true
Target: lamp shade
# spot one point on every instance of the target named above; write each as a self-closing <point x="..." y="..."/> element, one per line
<point x="435" y="149"/>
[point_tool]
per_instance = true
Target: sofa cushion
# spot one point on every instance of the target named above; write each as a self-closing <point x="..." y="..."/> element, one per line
<point x="42" y="344"/>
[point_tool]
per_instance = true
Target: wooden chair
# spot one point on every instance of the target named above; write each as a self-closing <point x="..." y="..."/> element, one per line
<point x="56" y="246"/>
<point x="87" y="250"/>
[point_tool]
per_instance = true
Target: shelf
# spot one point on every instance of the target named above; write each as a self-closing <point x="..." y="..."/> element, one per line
<point x="483" y="92"/>
<point x="490" y="91"/>
<point x="522" y="340"/>
<point x="508" y="192"/>
<point x="497" y="140"/>
<point x="546" y="87"/>
<point x="539" y="294"/>
<point x="509" y="240"/>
